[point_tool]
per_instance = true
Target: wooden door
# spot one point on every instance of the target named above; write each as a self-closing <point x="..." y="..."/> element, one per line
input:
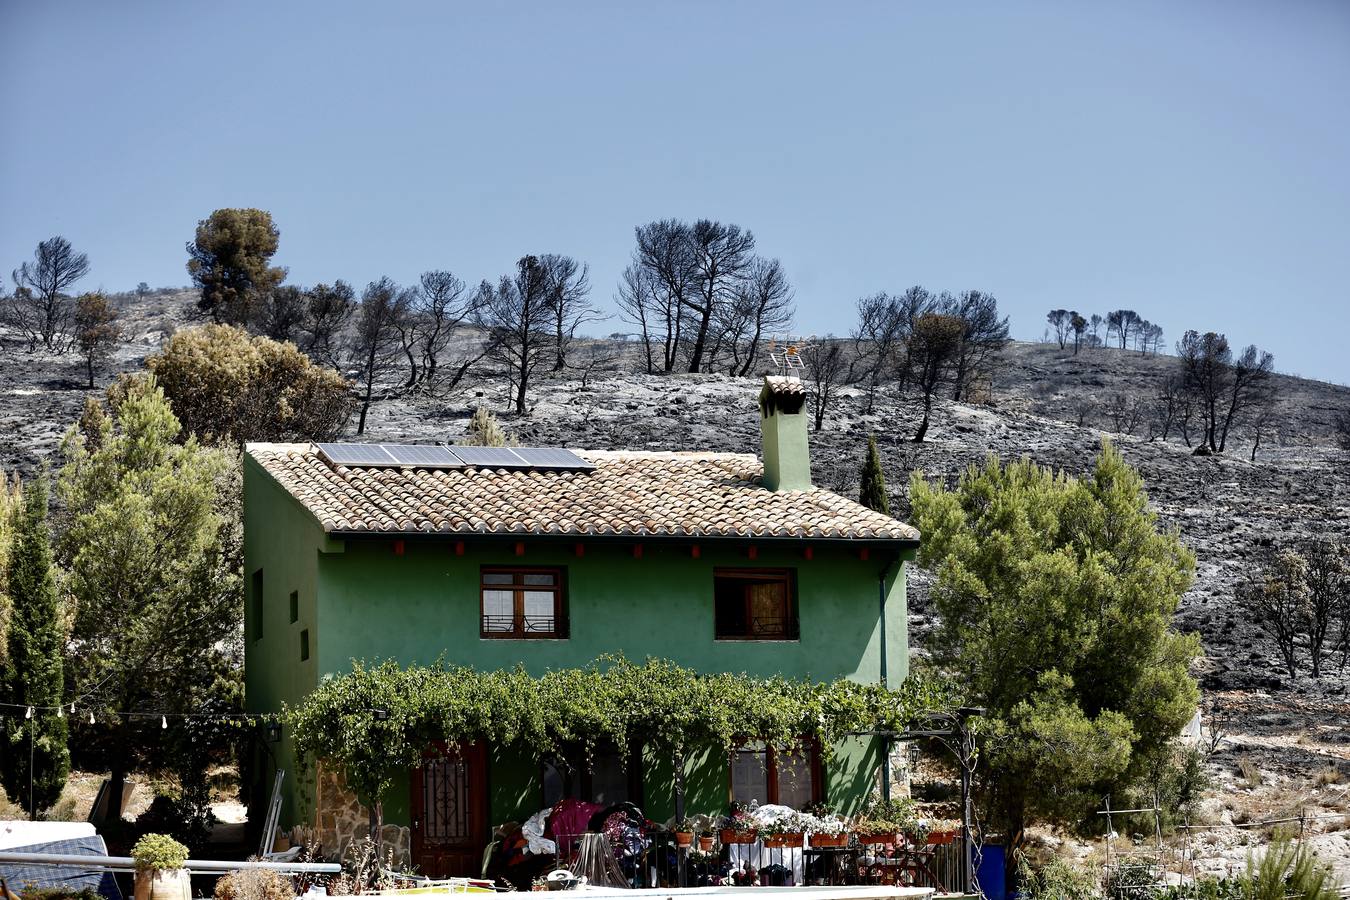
<point x="449" y="812"/>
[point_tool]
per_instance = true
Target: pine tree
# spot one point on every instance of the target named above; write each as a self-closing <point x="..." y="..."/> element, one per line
<point x="33" y="755"/>
<point x="11" y="506"/>
<point x="872" y="494"/>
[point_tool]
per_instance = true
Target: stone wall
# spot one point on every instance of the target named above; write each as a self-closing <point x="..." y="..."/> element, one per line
<point x="340" y="821"/>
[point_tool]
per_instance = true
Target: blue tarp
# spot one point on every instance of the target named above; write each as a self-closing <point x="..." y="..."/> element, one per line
<point x="19" y="876"/>
<point x="990" y="873"/>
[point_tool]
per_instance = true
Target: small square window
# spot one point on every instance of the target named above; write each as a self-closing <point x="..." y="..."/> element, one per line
<point x="304" y="644"/>
<point x="295" y="607"/>
<point x="755" y="605"/>
<point x="522" y="603"/>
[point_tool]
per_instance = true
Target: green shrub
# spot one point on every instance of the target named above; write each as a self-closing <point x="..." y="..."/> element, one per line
<point x="158" y="852"/>
<point x="1056" y="880"/>
<point x="226" y="385"/>
<point x="1288" y="870"/>
<point x="31" y="892"/>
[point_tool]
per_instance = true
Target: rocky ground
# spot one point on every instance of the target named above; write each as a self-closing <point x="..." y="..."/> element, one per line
<point x="1288" y="749"/>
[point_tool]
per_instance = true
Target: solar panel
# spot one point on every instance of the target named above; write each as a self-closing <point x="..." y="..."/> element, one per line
<point x="356" y="454"/>
<point x="490" y="457"/>
<point x="425" y="456"/>
<point x="552" y="458"/>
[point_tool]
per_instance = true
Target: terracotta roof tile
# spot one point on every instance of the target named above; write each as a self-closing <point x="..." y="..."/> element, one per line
<point x="637" y="493"/>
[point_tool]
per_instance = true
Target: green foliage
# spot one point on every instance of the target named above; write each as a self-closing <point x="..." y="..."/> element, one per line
<point x="1056" y="880"/>
<point x="872" y="493"/>
<point x="11" y="506"/>
<point x="485" y="431"/>
<point x="152" y="555"/>
<point x="609" y="702"/>
<point x="1288" y="870"/>
<point x="159" y="853"/>
<point x="888" y="816"/>
<point x="229" y="260"/>
<point x="1232" y="888"/>
<point x="227" y="386"/>
<point x="96" y="329"/>
<point x="33" y="755"/>
<point x="1056" y="596"/>
<point x="30" y="892"/>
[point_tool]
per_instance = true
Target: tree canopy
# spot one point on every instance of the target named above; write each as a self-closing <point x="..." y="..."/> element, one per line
<point x="226" y="385"/>
<point x="152" y="556"/>
<point x="229" y="259"/>
<point x="1056" y="596"/>
<point x="33" y="755"/>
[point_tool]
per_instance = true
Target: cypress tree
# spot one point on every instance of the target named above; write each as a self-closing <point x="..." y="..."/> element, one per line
<point x="872" y="493"/>
<point x="33" y="774"/>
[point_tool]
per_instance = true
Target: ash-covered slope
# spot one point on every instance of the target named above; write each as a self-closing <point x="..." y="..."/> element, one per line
<point x="1230" y="510"/>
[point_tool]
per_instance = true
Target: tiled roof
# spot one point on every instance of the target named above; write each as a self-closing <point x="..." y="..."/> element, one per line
<point x="628" y="493"/>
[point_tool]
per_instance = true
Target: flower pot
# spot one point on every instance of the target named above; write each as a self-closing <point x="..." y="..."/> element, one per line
<point x="163" y="884"/>
<point x="732" y="836"/>
<point x="937" y="838"/>
<point x="705" y="843"/>
<point x="788" y="839"/>
<point x="830" y="840"/>
<point x="879" y="837"/>
<point x="684" y="838"/>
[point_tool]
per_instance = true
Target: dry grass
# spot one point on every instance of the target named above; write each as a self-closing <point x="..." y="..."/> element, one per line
<point x="1329" y="776"/>
<point x="1251" y="773"/>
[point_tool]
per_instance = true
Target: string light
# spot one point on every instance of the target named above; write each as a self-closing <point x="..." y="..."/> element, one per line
<point x="91" y="717"/>
<point x="60" y="712"/>
<point x="29" y="714"/>
<point x="163" y="721"/>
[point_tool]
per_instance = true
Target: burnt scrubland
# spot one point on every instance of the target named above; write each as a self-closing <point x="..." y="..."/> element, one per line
<point x="1278" y="744"/>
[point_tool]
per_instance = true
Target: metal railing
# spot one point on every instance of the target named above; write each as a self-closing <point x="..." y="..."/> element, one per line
<point x="196" y="866"/>
<point x="519" y="624"/>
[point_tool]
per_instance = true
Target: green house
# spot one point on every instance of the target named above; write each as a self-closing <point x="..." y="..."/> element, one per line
<point x="547" y="558"/>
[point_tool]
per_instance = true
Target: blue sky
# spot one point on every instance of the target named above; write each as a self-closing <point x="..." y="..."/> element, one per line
<point x="1188" y="160"/>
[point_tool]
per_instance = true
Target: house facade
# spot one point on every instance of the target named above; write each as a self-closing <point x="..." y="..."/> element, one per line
<point x="547" y="559"/>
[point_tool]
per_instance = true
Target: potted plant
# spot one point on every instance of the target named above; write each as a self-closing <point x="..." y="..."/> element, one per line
<point x="829" y="831"/>
<point x="159" y="869"/>
<point x="883" y="821"/>
<point x="737" y="826"/>
<point x="785" y="831"/>
<point x="942" y="831"/>
<point x="684" y="833"/>
<point x="705" y="839"/>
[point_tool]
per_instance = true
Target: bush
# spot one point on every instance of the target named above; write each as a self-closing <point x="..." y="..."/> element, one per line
<point x="254" y="884"/>
<point x="29" y="892"/>
<point x="485" y="431"/>
<point x="227" y="386"/>
<point x="1289" y="871"/>
<point x="158" y="852"/>
<point x="1056" y="880"/>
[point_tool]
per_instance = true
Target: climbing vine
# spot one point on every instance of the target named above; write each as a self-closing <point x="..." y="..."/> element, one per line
<point x="378" y="720"/>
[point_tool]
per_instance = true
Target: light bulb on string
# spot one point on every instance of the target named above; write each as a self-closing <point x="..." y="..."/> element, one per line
<point x="72" y="707"/>
<point x="60" y="712"/>
<point x="29" y="714"/>
<point x="163" y="721"/>
<point x="91" y="717"/>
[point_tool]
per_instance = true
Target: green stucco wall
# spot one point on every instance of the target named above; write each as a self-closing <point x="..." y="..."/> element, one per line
<point x="359" y="599"/>
<point x="281" y="538"/>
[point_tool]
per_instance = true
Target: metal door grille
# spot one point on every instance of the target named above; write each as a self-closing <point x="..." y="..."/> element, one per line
<point x="445" y="799"/>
